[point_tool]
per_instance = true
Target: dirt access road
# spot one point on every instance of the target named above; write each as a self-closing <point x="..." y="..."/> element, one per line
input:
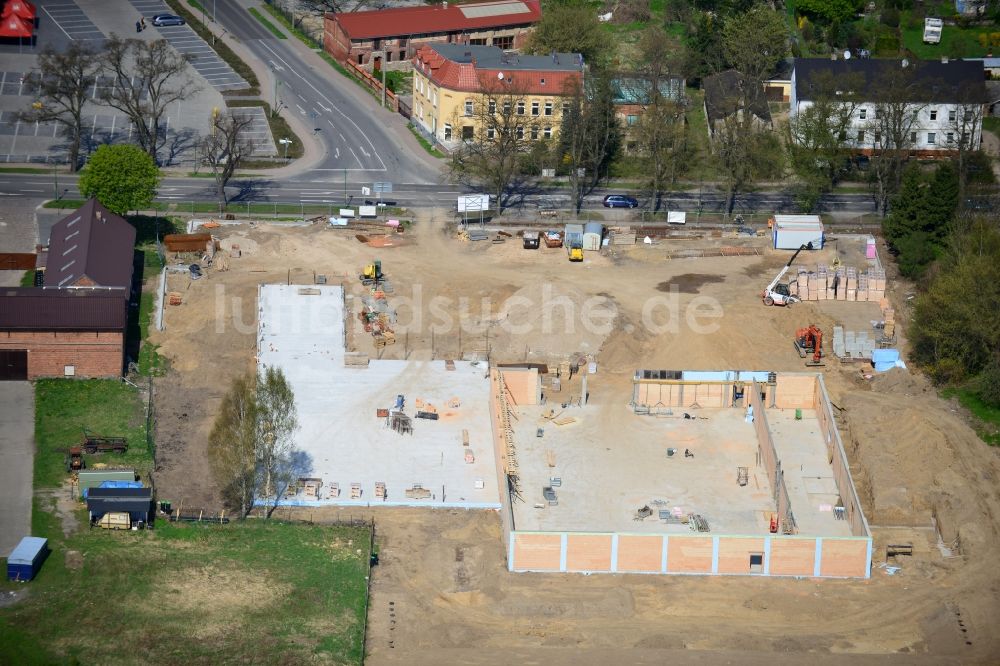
<point x="442" y="594"/>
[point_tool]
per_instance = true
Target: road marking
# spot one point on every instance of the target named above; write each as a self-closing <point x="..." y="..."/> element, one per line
<point x="336" y="153"/>
<point x="327" y="100"/>
<point x="31" y="190"/>
<point x="55" y="21"/>
<point x="301" y="110"/>
<point x="328" y="110"/>
<point x="355" y="156"/>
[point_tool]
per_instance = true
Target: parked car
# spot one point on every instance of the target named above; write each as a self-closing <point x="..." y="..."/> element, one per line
<point x="167" y="19"/>
<point x="620" y="201"/>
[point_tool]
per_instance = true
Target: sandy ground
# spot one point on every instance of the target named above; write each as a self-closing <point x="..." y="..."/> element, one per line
<point x="442" y="595"/>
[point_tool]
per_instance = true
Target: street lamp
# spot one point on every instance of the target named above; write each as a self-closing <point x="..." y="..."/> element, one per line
<point x="285" y="143"/>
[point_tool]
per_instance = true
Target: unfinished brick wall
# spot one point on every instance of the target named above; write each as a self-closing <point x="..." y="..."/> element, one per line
<point x="588" y="552"/>
<point x="92" y="354"/>
<point x="523" y="384"/>
<point x="679" y="553"/>
<point x="794" y="390"/>
<point x="655" y="393"/>
<point x="500" y="456"/>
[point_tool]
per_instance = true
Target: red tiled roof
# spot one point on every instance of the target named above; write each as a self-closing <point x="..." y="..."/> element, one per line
<point x="466" y="77"/>
<point x="404" y="21"/>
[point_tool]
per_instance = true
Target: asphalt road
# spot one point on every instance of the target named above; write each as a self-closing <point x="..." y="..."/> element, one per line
<point x="331" y="190"/>
<point x="345" y="121"/>
<point x="17" y="446"/>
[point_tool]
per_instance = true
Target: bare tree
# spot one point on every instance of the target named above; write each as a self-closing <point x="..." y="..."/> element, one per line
<point x="965" y="122"/>
<point x="62" y="86"/>
<point x="495" y="132"/>
<point x="277" y="420"/>
<point x="893" y="129"/>
<point x="225" y="148"/>
<point x="232" y="445"/>
<point x="818" y="144"/>
<point x="662" y="138"/>
<point x="754" y="43"/>
<point x="321" y="7"/>
<point x="147" y="78"/>
<point x="590" y="136"/>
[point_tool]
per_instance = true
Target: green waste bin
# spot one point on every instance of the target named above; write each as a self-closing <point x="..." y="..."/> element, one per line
<point x="798" y="414"/>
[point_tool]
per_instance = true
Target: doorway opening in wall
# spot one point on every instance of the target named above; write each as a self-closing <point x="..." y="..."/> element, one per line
<point x="756" y="562"/>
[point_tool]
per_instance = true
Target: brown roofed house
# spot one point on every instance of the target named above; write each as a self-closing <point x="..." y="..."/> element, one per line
<point x="90" y="247"/>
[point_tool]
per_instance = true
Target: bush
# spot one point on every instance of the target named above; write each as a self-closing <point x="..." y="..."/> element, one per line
<point x="989" y="384"/>
<point x="890" y="17"/>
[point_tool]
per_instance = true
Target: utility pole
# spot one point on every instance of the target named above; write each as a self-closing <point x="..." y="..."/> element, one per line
<point x="383" y="87"/>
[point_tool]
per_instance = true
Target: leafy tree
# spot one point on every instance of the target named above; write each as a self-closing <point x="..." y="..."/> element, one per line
<point x="321" y="7"/>
<point x="918" y="222"/>
<point x="63" y="85"/>
<point x="570" y="28"/>
<point x="663" y="142"/>
<point x="146" y="79"/>
<point x="225" y="148"/>
<point x="250" y="447"/>
<point x="829" y="10"/>
<point x="277" y="420"/>
<point x="122" y="177"/>
<point x="232" y="445"/>
<point x="744" y="155"/>
<point x="954" y="331"/>
<point x="754" y="43"/>
<point x="703" y="53"/>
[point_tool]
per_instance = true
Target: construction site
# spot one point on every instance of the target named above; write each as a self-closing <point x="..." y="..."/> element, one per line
<point x="542" y="437"/>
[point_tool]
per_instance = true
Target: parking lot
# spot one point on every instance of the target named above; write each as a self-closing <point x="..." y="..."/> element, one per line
<point x="205" y="61"/>
<point x="259" y="131"/>
<point x="70" y="19"/>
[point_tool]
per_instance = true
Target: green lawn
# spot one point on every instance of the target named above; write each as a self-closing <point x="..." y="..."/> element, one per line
<point x="262" y="593"/>
<point x="424" y="143"/>
<point x="992" y="124"/>
<point x="955" y="41"/>
<point x="255" y="592"/>
<point x="989" y="417"/>
<point x="108" y="407"/>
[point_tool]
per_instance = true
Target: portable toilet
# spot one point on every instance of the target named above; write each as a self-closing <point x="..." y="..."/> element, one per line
<point x="574" y="234"/>
<point x="593" y="234"/>
<point x="26" y="558"/>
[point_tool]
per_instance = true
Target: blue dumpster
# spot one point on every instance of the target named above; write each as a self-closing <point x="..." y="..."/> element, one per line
<point x="26" y="559"/>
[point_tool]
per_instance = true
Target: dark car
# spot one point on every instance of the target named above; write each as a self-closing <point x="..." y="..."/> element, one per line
<point x="167" y="19"/>
<point x="620" y="201"/>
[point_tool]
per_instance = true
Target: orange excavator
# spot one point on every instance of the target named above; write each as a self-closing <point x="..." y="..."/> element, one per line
<point x="809" y="340"/>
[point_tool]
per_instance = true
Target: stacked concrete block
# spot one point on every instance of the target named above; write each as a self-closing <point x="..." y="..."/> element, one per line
<point x="843" y="283"/>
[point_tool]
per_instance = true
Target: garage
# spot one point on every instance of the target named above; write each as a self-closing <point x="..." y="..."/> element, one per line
<point x="13" y="365"/>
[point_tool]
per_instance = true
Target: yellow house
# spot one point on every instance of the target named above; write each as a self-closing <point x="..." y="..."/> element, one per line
<point x="457" y="87"/>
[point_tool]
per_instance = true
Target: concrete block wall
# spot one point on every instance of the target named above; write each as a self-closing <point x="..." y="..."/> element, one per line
<point x="663" y="393"/>
<point x="91" y="353"/>
<point x="706" y="554"/>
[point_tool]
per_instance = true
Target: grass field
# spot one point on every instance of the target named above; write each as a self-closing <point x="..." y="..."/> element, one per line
<point x="273" y="29"/>
<point x="255" y="592"/>
<point x="956" y="42"/>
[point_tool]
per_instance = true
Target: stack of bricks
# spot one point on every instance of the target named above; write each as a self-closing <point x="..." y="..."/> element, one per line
<point x="841" y="284"/>
<point x="889" y="316"/>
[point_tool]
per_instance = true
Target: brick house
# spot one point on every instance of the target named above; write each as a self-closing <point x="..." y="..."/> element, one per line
<point x="61" y="333"/>
<point x="74" y="325"/>
<point x="391" y="37"/>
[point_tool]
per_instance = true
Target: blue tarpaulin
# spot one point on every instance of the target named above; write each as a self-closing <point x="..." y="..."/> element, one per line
<point x="885" y="359"/>
<point x="115" y="484"/>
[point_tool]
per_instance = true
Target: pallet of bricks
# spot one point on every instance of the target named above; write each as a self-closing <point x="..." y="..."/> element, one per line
<point x="842" y="283"/>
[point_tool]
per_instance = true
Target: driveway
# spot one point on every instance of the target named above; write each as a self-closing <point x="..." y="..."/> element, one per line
<point x="17" y="455"/>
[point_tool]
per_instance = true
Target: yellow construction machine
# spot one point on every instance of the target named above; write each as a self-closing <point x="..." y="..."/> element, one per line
<point x="372" y="274"/>
<point x="576" y="252"/>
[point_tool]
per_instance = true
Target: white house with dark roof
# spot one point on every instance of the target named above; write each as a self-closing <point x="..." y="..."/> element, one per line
<point x="942" y="93"/>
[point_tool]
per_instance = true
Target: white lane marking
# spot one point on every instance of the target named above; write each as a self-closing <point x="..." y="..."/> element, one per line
<point x="31" y="190"/>
<point x="334" y="106"/>
<point x="55" y="21"/>
<point x="301" y="110"/>
<point x="355" y="156"/>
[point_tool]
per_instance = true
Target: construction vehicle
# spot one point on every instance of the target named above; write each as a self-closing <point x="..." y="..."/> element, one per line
<point x="576" y="251"/>
<point x="779" y="294"/>
<point x="372" y="274"/>
<point x="74" y="459"/>
<point x="809" y="341"/>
